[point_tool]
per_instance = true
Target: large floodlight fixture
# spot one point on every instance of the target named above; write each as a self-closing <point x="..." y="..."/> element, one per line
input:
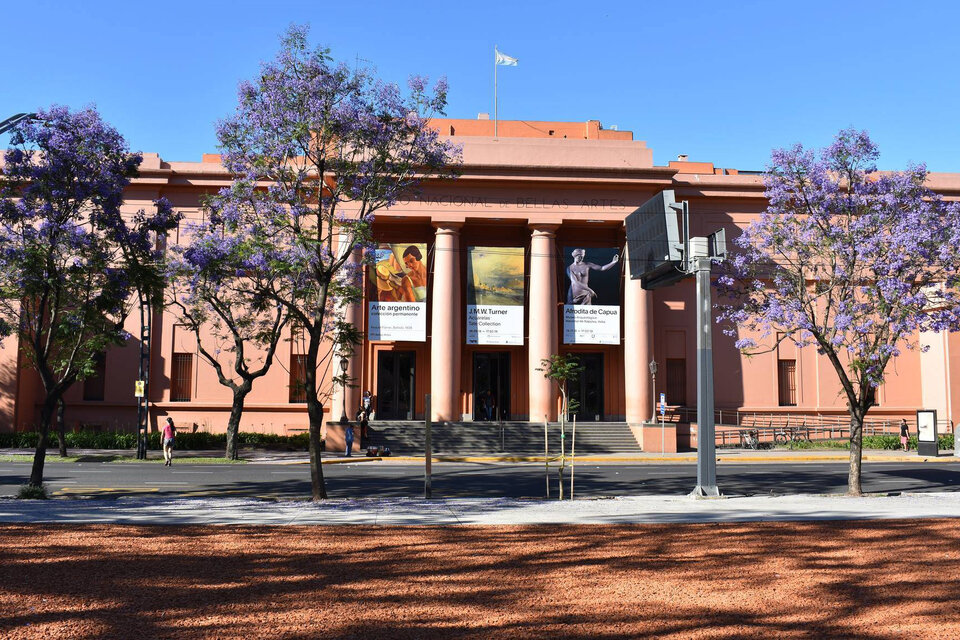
<point x="654" y="241"/>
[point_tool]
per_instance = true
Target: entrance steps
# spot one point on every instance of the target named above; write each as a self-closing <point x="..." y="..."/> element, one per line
<point x="507" y="438"/>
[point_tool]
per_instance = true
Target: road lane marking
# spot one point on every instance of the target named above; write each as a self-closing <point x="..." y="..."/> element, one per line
<point x="106" y="490"/>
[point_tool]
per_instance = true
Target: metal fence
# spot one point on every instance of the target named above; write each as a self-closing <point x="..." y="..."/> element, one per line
<point x="731" y="425"/>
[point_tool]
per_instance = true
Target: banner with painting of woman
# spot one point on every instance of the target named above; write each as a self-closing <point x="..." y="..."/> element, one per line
<point x="399" y="271"/>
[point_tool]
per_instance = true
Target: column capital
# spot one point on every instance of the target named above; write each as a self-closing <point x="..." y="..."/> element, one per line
<point x="447" y="227"/>
<point x="543" y="229"/>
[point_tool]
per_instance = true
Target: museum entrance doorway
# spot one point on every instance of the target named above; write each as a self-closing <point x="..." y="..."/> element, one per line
<point x="491" y="386"/>
<point x="395" y="385"/>
<point x="587" y="389"/>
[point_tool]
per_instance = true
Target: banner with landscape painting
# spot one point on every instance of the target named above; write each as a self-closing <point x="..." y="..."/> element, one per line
<point x="591" y="310"/>
<point x="399" y="312"/>
<point x="495" y="291"/>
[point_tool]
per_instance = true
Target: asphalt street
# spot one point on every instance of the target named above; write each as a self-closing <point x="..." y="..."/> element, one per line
<point x="393" y="479"/>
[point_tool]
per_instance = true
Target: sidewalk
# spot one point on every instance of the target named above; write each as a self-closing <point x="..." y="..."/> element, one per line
<point x="724" y="456"/>
<point x="478" y="511"/>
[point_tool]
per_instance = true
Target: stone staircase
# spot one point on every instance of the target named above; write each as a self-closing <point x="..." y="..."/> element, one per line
<point x="508" y="438"/>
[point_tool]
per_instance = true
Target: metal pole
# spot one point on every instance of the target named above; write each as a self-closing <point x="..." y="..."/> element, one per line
<point x="427" y="451"/>
<point x="573" y="446"/>
<point x="546" y="453"/>
<point x="653" y="397"/>
<point x="706" y="446"/>
<point x="495" y="114"/>
<point x="663" y="429"/>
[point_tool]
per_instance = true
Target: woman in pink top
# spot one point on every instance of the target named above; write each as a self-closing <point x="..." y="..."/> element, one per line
<point x="169" y="433"/>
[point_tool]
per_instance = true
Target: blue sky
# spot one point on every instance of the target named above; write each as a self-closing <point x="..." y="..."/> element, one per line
<point x="723" y="82"/>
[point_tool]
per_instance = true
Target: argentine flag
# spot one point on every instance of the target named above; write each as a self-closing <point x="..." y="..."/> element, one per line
<point x="504" y="60"/>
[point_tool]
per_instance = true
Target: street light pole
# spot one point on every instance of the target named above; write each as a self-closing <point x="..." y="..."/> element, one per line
<point x="344" y="363"/>
<point x="653" y="391"/>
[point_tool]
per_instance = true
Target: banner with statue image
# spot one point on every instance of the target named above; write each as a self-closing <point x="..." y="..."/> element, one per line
<point x="591" y="310"/>
<point x="495" y="288"/>
<point x="399" y="313"/>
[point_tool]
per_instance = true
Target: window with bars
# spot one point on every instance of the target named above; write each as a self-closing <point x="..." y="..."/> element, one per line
<point x="677" y="381"/>
<point x="181" y="377"/>
<point x="787" y="382"/>
<point x="298" y="378"/>
<point x="93" y="387"/>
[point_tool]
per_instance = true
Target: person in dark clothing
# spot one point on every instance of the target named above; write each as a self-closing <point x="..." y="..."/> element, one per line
<point x="904" y="435"/>
<point x="364" y="421"/>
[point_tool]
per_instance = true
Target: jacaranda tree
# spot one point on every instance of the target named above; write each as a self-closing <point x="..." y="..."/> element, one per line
<point x="215" y="280"/>
<point x="852" y="261"/>
<point x="69" y="261"/>
<point x="316" y="149"/>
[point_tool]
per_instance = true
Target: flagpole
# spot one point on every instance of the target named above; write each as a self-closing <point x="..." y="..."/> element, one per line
<point x="495" y="114"/>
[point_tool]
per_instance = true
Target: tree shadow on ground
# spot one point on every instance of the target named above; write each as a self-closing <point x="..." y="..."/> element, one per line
<point x="865" y="580"/>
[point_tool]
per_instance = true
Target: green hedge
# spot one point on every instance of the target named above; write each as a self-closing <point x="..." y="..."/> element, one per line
<point x="127" y="440"/>
<point x="890" y="441"/>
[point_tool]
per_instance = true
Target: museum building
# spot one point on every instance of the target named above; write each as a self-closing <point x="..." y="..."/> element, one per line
<point x="476" y="280"/>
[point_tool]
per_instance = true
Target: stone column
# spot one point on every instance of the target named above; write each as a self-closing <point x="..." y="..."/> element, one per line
<point x="445" y="340"/>
<point x="638" y="350"/>
<point x="542" y="341"/>
<point x="352" y="313"/>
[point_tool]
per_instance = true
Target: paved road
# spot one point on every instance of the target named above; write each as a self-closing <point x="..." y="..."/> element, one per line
<point x="457" y="480"/>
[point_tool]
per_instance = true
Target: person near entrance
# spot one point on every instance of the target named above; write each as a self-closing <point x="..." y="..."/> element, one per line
<point x="348" y="436"/>
<point x="364" y="423"/>
<point x="579" y="274"/>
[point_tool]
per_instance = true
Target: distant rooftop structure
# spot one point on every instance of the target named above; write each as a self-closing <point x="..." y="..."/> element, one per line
<point x="483" y="126"/>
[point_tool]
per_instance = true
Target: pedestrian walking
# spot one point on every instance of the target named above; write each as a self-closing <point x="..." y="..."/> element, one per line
<point x="167" y="437"/>
<point x="904" y="435"/>
<point x="364" y="423"/>
<point x="348" y="436"/>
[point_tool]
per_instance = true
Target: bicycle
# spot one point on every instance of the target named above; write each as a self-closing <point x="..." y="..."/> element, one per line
<point x="790" y="435"/>
<point x="749" y="439"/>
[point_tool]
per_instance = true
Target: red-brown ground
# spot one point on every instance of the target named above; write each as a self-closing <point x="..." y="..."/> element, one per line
<point x="882" y="579"/>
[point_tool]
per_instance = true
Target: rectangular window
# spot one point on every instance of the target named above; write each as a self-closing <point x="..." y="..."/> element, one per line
<point x="787" y="382"/>
<point x="94" y="385"/>
<point x="181" y="377"/>
<point x="298" y="378"/>
<point x="676" y="381"/>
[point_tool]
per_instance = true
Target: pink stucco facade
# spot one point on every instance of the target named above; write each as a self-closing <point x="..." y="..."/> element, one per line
<point x="543" y="189"/>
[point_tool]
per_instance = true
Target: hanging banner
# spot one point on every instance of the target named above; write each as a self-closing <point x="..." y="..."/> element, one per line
<point x="591" y="313"/>
<point x="495" y="295"/>
<point x="400" y="311"/>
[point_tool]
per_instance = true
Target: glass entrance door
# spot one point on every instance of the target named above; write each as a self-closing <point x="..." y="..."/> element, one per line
<point x="395" y="385"/>
<point x="587" y="389"/>
<point x="491" y="386"/>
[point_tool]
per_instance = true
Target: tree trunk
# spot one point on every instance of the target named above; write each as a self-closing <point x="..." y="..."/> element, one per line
<point x="856" y="455"/>
<point x="233" y="423"/>
<point x="46" y="413"/>
<point x="315" y="411"/>
<point x="62" y="428"/>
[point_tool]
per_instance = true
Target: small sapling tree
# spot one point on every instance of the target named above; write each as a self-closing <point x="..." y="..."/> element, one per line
<point x="562" y="369"/>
